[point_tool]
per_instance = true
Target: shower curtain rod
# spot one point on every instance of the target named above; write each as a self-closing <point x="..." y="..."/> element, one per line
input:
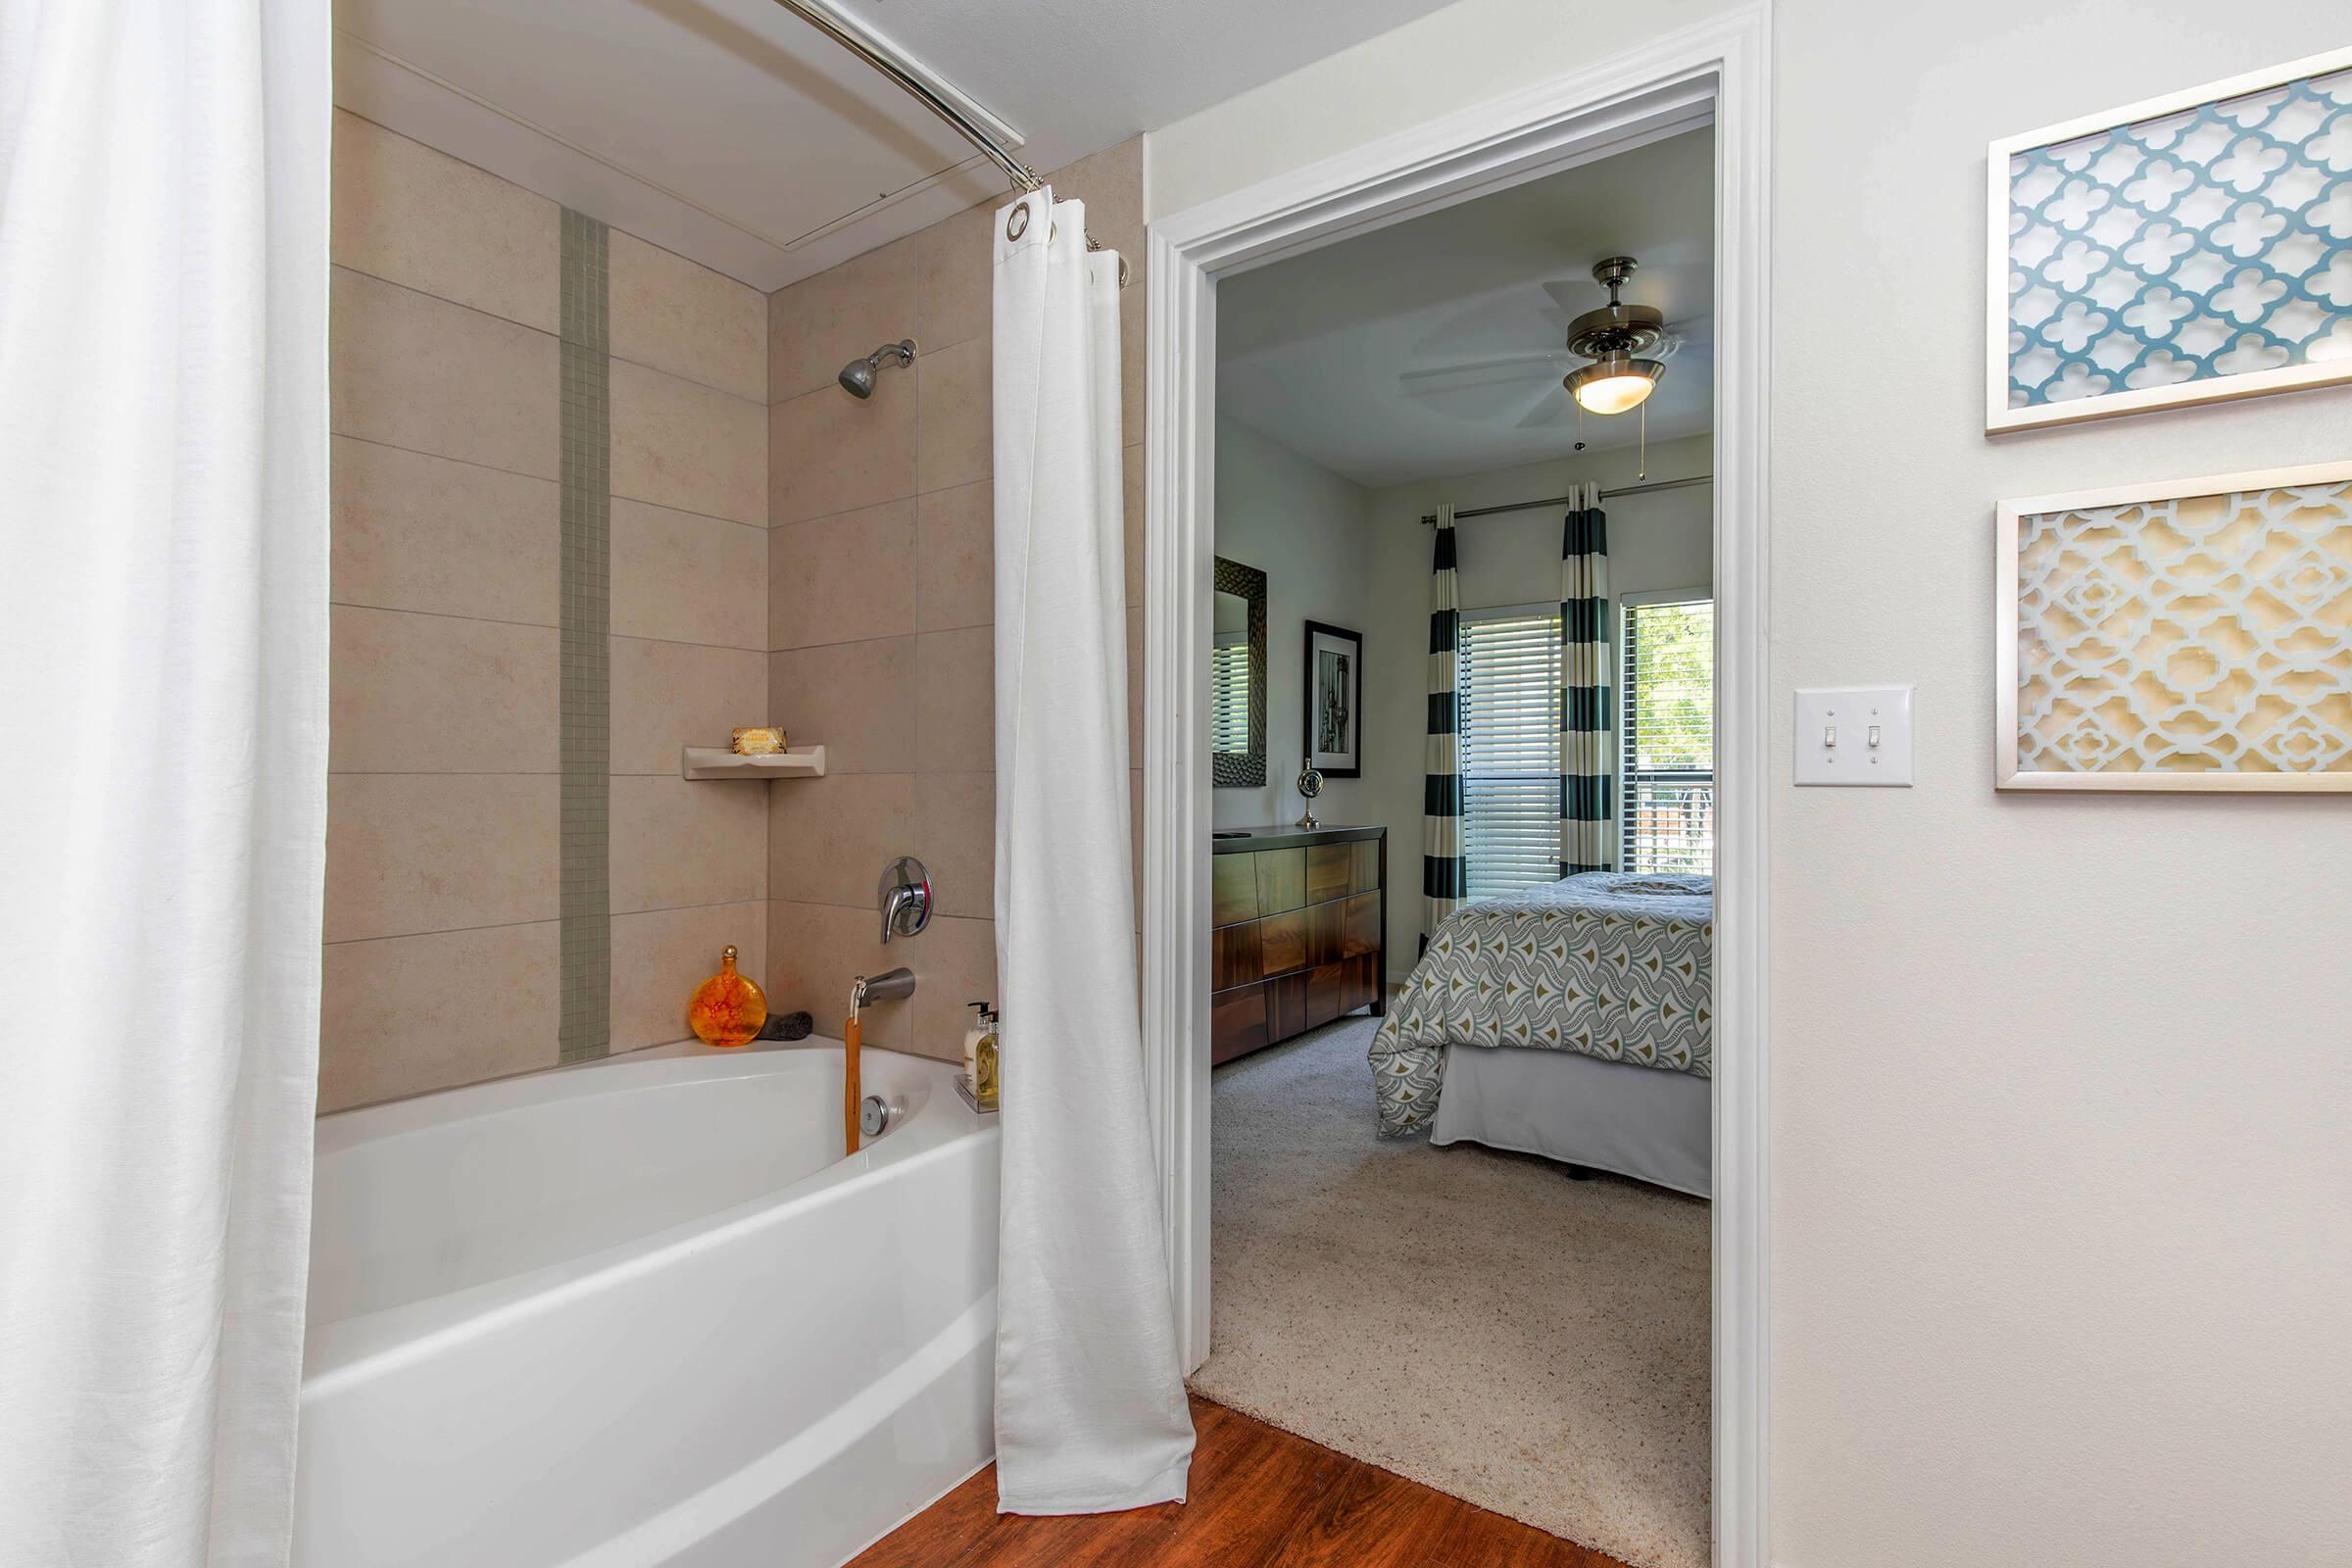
<point x="1429" y="519"/>
<point x="871" y="48"/>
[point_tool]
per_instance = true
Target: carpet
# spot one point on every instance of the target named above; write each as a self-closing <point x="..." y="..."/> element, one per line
<point x="1472" y="1319"/>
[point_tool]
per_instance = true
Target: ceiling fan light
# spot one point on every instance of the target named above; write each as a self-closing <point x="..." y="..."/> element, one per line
<point x="1614" y="386"/>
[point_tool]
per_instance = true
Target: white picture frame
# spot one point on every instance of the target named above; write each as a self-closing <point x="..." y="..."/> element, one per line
<point x="2010" y="769"/>
<point x="1999" y="416"/>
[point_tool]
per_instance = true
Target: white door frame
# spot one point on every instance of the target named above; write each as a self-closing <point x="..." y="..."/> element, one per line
<point x="1718" y="70"/>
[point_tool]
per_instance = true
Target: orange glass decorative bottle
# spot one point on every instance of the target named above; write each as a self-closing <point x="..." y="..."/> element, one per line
<point x="728" y="1008"/>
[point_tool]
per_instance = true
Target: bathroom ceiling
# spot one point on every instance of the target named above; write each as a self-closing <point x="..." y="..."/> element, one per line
<point x="1435" y="347"/>
<point x="734" y="132"/>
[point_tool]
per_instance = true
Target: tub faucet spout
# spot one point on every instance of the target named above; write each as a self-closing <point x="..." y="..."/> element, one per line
<point x="891" y="984"/>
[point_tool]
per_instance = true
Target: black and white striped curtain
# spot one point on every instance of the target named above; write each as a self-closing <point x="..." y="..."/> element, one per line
<point x="1588" y="706"/>
<point x="1443" y="878"/>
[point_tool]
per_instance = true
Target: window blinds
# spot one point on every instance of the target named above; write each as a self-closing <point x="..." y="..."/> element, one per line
<point x="1668" y="735"/>
<point x="1229" y="697"/>
<point x="1511" y="749"/>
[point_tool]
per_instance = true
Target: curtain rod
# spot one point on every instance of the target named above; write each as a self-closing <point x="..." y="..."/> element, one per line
<point x="1429" y="519"/>
<point x="882" y="55"/>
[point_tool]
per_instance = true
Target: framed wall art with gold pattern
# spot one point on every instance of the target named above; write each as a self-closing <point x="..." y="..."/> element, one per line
<point x="2195" y="635"/>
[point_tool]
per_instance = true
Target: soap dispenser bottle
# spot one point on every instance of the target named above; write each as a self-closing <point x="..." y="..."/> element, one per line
<point x="985" y="1067"/>
<point x="971" y="1044"/>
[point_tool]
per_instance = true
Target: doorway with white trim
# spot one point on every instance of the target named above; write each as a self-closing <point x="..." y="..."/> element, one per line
<point x="1260" y="304"/>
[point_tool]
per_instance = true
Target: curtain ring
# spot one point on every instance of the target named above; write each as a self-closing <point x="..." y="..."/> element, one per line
<point x="1053" y="232"/>
<point x="1017" y="225"/>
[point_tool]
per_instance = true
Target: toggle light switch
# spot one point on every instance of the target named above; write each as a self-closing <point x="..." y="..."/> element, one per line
<point x="1883" y="713"/>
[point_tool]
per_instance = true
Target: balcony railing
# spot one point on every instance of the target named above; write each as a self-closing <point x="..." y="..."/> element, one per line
<point x="1670" y="822"/>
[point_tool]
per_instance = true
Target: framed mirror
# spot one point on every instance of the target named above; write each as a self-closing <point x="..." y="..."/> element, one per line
<point x="1237" y="678"/>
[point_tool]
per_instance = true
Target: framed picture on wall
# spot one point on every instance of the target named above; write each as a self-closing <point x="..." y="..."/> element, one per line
<point x="2192" y="635"/>
<point x="2192" y="248"/>
<point x="1334" y="707"/>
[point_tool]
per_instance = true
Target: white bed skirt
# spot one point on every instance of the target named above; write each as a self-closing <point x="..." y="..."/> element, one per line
<point x="1643" y="1122"/>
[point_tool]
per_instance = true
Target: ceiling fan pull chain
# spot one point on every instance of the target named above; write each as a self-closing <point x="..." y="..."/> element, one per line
<point x="1641" y="452"/>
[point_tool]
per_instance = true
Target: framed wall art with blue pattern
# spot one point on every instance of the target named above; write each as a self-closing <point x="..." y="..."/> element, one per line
<point x="2189" y="249"/>
<point x="2194" y="635"/>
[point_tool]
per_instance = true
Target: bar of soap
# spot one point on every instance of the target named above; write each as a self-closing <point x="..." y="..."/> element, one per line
<point x="759" y="741"/>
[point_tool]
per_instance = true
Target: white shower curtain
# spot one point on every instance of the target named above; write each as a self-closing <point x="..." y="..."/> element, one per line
<point x="1091" y="1409"/>
<point x="163" y="767"/>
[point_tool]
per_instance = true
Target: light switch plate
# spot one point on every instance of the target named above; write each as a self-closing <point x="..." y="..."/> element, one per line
<point x="1854" y="735"/>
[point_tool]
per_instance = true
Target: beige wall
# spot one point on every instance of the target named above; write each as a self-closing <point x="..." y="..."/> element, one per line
<point x="443" y="854"/>
<point x="881" y="607"/>
<point x="2059" y="1240"/>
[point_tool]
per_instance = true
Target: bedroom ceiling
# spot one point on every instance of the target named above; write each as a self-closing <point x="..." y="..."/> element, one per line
<point x="734" y="132"/>
<point x="1422" y="350"/>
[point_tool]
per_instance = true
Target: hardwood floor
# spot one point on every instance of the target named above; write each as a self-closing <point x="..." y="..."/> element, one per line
<point x="1260" y="1496"/>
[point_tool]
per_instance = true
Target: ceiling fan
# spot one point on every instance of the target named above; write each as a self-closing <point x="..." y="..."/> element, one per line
<point x="1612" y="359"/>
<point x="1626" y="343"/>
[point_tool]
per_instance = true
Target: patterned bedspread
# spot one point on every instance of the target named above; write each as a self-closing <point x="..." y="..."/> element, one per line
<point x="1612" y="964"/>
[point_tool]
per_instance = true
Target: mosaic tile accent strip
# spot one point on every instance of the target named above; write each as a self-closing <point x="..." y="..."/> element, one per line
<point x="2211" y="242"/>
<point x="587" y="607"/>
<point x="2200" y="634"/>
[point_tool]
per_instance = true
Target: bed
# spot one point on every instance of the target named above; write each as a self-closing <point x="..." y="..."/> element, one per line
<point x="1573" y="1019"/>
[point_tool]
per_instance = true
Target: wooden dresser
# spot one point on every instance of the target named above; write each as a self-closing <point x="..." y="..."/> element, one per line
<point x="1301" y="931"/>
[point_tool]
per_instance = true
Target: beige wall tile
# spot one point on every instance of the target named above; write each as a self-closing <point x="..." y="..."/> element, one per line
<point x="957" y="391"/>
<point x="675" y="844"/>
<point x="668" y="695"/>
<point x="661" y="957"/>
<point x="688" y="578"/>
<point x="820" y="323"/>
<point x="1130" y="474"/>
<point x="678" y="316"/>
<point x="419" y="532"/>
<point x="816" y="949"/>
<point x="409" y="853"/>
<point x="954" y="257"/>
<point x="829" y="452"/>
<point x="956" y="836"/>
<point x="958" y="963"/>
<point x="1134" y="849"/>
<point x="955" y="260"/>
<point x="856" y="700"/>
<point x="955" y="701"/>
<point x="406" y="1014"/>
<point x="1112" y="184"/>
<point x="439" y="693"/>
<point x="416" y="371"/>
<point x="1135" y="692"/>
<point x="677" y="443"/>
<point x="1134" y="346"/>
<point x="955" y="557"/>
<point x="419" y="217"/>
<point x="829" y="838"/>
<point x="844" y="577"/>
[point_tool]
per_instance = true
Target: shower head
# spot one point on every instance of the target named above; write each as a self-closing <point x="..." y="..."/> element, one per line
<point x="858" y="377"/>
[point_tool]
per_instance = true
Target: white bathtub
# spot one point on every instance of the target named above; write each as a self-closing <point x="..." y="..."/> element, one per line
<point x="643" y="1311"/>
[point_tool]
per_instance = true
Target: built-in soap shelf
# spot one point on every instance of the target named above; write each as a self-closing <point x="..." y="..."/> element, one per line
<point x="716" y="761"/>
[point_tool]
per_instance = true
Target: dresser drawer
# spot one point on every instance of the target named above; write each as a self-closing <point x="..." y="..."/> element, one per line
<point x="1360" y="932"/>
<point x="1234" y="957"/>
<point x="1237" y="1022"/>
<point x="1330" y="867"/>
<point x="1232" y="889"/>
<point x="1280" y="880"/>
